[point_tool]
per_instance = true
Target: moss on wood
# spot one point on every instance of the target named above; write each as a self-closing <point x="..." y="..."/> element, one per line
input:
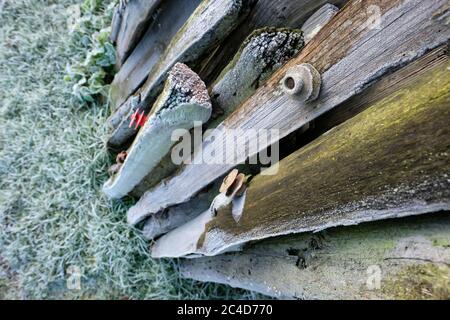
<point x="394" y="154"/>
<point x="418" y="282"/>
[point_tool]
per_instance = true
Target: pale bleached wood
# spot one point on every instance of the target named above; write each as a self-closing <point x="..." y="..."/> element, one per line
<point x="169" y="18"/>
<point x="411" y="256"/>
<point x="350" y="57"/>
<point x="134" y="18"/>
<point x="389" y="161"/>
<point x="183" y="103"/>
<point x="265" y="13"/>
<point x="264" y="52"/>
<point x="177" y="215"/>
<point x="210" y="23"/>
<point x="318" y="20"/>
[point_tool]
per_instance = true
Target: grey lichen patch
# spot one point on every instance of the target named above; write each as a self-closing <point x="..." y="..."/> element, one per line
<point x="424" y="281"/>
<point x="443" y="242"/>
<point x="183" y="87"/>
<point x="262" y="53"/>
<point x="210" y="23"/>
<point x="183" y="102"/>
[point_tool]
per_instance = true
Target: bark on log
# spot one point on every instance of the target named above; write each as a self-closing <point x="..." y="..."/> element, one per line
<point x="210" y="23"/>
<point x="389" y="161"/>
<point x="135" y="17"/>
<point x="350" y="57"/>
<point x="406" y="258"/>
<point x="183" y="102"/>
<point x="169" y="18"/>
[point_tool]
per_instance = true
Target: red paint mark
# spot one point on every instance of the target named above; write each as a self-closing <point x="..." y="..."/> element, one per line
<point x="138" y="118"/>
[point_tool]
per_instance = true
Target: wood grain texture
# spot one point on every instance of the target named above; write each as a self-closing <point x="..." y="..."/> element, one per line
<point x="266" y="13"/>
<point x="411" y="256"/>
<point x="169" y="18"/>
<point x="318" y="20"/>
<point x="136" y="16"/>
<point x="400" y="79"/>
<point x="210" y="23"/>
<point x="183" y="103"/>
<point x="390" y="160"/>
<point x="176" y="216"/>
<point x="349" y="54"/>
<point x="387" y="85"/>
<point x="264" y="52"/>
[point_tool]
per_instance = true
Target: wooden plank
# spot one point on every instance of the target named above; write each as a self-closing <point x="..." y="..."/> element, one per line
<point x="169" y="18"/>
<point x="183" y="103"/>
<point x="177" y="215"/>
<point x="210" y="23"/>
<point x="318" y="20"/>
<point x="261" y="54"/>
<point x="266" y="13"/>
<point x="350" y="57"/>
<point x="387" y="85"/>
<point x="390" y="160"/>
<point x="135" y="17"/>
<point x="406" y="258"/>
<point x="264" y="52"/>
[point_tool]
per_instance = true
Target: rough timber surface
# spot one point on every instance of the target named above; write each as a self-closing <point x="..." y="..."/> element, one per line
<point x="183" y="102"/>
<point x="318" y="20"/>
<point x="261" y="54"/>
<point x="135" y="17"/>
<point x="350" y="57"/>
<point x="407" y="258"/>
<point x="176" y="216"/>
<point x="389" y="161"/>
<point x="265" y="13"/>
<point x="264" y="52"/>
<point x="212" y="21"/>
<point x="169" y="18"/>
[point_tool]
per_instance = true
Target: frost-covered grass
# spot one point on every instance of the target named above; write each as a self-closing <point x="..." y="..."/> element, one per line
<point x="53" y="216"/>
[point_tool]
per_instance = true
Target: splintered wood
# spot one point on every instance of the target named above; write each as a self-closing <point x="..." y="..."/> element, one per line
<point x="356" y="94"/>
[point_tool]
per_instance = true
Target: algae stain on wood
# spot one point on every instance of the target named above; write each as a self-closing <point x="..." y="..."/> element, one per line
<point x="418" y="282"/>
<point x="398" y="145"/>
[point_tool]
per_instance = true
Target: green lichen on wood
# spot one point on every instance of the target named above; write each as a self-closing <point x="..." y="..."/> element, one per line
<point x="418" y="282"/>
<point x="391" y="154"/>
